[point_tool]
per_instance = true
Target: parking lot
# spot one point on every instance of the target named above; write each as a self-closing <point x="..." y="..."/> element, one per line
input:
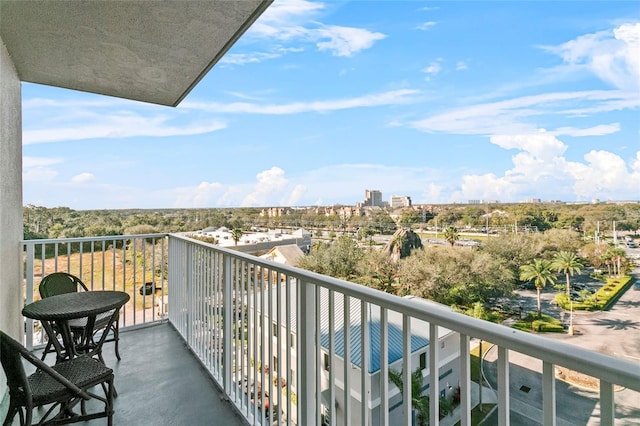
<point x="615" y="332"/>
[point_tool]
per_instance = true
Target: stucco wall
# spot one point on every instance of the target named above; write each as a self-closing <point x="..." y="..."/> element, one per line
<point x="10" y="204"/>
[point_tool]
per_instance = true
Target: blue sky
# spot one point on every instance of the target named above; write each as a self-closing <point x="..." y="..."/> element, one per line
<point x="318" y="101"/>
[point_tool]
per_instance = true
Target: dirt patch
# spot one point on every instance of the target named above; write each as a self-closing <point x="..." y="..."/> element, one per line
<point x="581" y="380"/>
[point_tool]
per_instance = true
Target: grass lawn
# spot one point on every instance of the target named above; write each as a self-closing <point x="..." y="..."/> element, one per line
<point x="477" y="416"/>
<point x="545" y="323"/>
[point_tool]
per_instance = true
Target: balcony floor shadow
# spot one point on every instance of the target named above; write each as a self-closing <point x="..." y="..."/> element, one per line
<point x="160" y="382"/>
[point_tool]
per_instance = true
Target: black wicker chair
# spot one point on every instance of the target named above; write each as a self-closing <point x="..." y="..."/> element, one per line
<point x="62" y="282"/>
<point x="58" y="389"/>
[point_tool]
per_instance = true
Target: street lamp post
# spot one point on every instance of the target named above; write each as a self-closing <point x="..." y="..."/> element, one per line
<point x="570" y="317"/>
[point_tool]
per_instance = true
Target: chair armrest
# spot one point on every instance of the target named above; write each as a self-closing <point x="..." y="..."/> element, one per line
<point x="53" y="373"/>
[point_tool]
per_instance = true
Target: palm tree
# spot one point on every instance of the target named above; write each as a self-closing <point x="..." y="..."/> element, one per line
<point x="395" y="246"/>
<point x="617" y="256"/>
<point x="567" y="263"/>
<point x="419" y="400"/>
<point x="236" y="234"/>
<point x="541" y="273"/>
<point x="451" y="235"/>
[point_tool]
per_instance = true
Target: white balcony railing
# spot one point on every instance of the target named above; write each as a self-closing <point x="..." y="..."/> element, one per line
<point x="274" y="338"/>
<point x="123" y="263"/>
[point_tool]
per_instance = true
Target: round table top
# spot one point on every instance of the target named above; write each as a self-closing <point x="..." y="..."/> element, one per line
<point x="75" y="305"/>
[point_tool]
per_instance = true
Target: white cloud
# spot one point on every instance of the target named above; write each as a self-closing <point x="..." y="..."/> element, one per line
<point x="286" y="11"/>
<point x="433" y="68"/>
<point x="604" y="175"/>
<point x="31" y="162"/>
<point x="393" y="97"/>
<point x="461" y="66"/>
<point x="83" y="178"/>
<point x="296" y="21"/>
<point x="92" y="124"/>
<point x="37" y="169"/>
<point x="426" y="25"/>
<point x="38" y="174"/>
<point x="248" y="58"/>
<point x="541" y="168"/>
<point x="610" y="55"/>
<point x="542" y="145"/>
<point x="345" y="41"/>
<point x="600" y="130"/>
<point x="520" y="115"/>
<point x="270" y="182"/>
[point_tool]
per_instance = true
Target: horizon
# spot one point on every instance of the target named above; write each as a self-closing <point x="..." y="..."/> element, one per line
<point x="444" y="102"/>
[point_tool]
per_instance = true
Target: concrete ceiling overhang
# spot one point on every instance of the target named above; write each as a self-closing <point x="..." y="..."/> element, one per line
<point x="150" y="51"/>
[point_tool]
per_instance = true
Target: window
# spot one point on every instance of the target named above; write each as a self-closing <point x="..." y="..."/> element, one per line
<point x="325" y="357"/>
<point x="275" y="364"/>
<point x="275" y="329"/>
<point x="293" y="341"/>
<point x="326" y="416"/>
<point x="423" y="361"/>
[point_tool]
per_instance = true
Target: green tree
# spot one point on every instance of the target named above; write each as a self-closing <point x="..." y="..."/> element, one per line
<point x="419" y="399"/>
<point x="236" y="234"/>
<point x="401" y="244"/>
<point x="540" y="273"/>
<point x="378" y="270"/>
<point x="338" y="259"/>
<point x="567" y="263"/>
<point x="409" y="217"/>
<point x="449" y="276"/>
<point x="618" y="259"/>
<point x="451" y="235"/>
<point x="395" y="246"/>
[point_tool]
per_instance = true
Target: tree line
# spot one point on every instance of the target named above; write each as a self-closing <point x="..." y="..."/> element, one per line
<point x="461" y="276"/>
<point x="64" y="222"/>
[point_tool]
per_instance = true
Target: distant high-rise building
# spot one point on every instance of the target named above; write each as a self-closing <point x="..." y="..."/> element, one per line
<point x="398" y="201"/>
<point x="372" y="197"/>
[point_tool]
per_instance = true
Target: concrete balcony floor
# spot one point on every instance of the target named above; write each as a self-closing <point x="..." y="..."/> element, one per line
<point x="160" y="382"/>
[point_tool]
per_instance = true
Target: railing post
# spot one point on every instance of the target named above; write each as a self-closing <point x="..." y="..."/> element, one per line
<point x="365" y="341"/>
<point x="503" y="386"/>
<point x="607" y="406"/>
<point x="384" y="368"/>
<point x="188" y="293"/>
<point x="307" y="397"/>
<point x="548" y="394"/>
<point x="29" y="290"/>
<point x="434" y="372"/>
<point x="406" y="370"/>
<point x="465" y="381"/>
<point x="227" y="337"/>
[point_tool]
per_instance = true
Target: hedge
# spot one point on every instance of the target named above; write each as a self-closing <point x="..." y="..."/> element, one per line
<point x="601" y="299"/>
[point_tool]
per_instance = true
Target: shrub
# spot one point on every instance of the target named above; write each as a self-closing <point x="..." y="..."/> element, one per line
<point x="543" y="324"/>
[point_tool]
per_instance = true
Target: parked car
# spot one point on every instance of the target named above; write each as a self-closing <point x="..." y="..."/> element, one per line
<point x="529" y="285"/>
<point x="636" y="285"/>
<point x="575" y="295"/>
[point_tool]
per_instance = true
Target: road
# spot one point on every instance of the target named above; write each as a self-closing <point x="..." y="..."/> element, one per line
<point x="615" y="332"/>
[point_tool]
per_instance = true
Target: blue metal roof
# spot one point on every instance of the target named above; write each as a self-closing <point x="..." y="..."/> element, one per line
<point x="419" y="335"/>
<point x="419" y="329"/>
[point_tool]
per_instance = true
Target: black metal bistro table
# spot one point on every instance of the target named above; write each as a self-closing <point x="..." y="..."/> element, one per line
<point x="63" y="308"/>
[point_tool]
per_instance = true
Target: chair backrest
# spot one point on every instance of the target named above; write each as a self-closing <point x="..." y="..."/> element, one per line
<point x="60" y="283"/>
<point x="11" y="353"/>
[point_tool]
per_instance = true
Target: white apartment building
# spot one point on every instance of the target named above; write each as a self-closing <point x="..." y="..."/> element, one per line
<point x="398" y="201"/>
<point x="282" y="357"/>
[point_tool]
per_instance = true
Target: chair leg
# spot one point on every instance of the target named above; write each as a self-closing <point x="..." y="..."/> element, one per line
<point x="116" y="337"/>
<point x="47" y="349"/>
<point x="13" y="409"/>
<point x="109" y="404"/>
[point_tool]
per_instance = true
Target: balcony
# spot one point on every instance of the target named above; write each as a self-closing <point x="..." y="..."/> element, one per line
<point x="263" y="341"/>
